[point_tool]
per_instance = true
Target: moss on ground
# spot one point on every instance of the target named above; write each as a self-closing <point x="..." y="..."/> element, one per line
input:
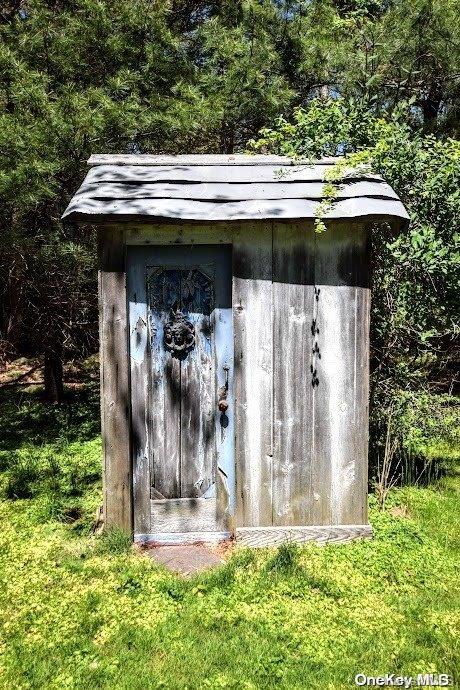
<point x="78" y="611"/>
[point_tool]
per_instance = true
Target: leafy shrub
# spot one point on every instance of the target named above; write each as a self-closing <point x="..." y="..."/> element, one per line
<point x="414" y="333"/>
<point x="426" y="433"/>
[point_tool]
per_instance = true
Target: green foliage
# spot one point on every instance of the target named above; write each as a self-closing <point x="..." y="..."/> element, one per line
<point x="113" y="541"/>
<point x="285" y="559"/>
<point x="92" y="76"/>
<point x="26" y="420"/>
<point x="81" y="611"/>
<point x="416" y="274"/>
<point x="324" y="128"/>
<point x="425" y="433"/>
<point x="52" y="454"/>
<point x="431" y="427"/>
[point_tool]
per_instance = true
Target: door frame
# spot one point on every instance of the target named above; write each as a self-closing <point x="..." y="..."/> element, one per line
<point x="138" y="331"/>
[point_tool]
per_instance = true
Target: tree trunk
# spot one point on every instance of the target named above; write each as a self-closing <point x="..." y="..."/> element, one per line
<point x="53" y="376"/>
<point x="227" y="137"/>
<point x="430" y="106"/>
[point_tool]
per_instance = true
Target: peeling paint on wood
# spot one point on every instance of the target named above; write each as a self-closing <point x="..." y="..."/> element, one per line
<point x="184" y="515"/>
<point x="184" y="451"/>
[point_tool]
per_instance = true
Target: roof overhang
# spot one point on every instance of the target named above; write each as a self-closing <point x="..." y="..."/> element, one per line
<point x="212" y="188"/>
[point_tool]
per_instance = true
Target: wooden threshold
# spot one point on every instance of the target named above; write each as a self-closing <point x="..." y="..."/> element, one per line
<point x="173" y="538"/>
<point x="263" y="536"/>
<point x="321" y="534"/>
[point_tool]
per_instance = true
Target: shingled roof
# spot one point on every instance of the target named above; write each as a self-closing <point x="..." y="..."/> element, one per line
<point x="224" y="188"/>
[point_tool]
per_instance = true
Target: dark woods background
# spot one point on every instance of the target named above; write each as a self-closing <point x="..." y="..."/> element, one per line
<point x="317" y="77"/>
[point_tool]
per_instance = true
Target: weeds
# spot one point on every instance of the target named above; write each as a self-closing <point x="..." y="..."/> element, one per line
<point x="113" y="541"/>
<point x="85" y="612"/>
<point x="52" y="455"/>
<point x="421" y="441"/>
<point x="387" y="470"/>
<point x="286" y="559"/>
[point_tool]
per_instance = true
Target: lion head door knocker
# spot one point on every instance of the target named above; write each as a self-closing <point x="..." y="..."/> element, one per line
<point x="179" y="334"/>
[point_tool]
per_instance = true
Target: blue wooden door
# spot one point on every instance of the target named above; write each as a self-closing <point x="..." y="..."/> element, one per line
<point x="181" y="342"/>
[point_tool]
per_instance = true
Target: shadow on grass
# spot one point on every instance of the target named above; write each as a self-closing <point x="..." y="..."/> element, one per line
<point x="25" y="418"/>
<point x="50" y="454"/>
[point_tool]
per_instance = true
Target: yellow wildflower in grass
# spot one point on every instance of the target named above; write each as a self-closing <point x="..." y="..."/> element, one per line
<point x="75" y="614"/>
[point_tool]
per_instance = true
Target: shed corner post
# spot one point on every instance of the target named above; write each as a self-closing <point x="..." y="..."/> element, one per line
<point x="115" y="380"/>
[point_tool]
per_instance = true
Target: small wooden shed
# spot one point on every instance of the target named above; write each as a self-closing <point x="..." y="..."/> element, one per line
<point x="234" y="345"/>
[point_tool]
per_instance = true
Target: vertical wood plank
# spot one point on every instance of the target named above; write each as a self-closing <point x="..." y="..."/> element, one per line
<point x="224" y="363"/>
<point x="138" y="327"/>
<point x="252" y="308"/>
<point x="164" y="380"/>
<point x="341" y="395"/>
<point x="357" y="499"/>
<point x="198" y="386"/>
<point x="293" y="300"/>
<point x="115" y="390"/>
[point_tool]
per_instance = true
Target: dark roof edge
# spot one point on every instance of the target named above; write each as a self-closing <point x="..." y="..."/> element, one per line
<point x="396" y="223"/>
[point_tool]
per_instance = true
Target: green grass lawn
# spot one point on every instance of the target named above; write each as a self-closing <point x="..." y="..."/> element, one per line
<point x="79" y="611"/>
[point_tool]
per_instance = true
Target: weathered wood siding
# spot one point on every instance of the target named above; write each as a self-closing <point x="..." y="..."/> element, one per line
<point x="301" y="306"/>
<point x="253" y="329"/>
<point x="342" y="363"/>
<point x="140" y="378"/>
<point x="293" y="278"/>
<point x="301" y="333"/>
<point x="115" y="393"/>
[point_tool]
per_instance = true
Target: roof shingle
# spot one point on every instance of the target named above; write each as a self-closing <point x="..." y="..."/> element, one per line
<point x="223" y="188"/>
